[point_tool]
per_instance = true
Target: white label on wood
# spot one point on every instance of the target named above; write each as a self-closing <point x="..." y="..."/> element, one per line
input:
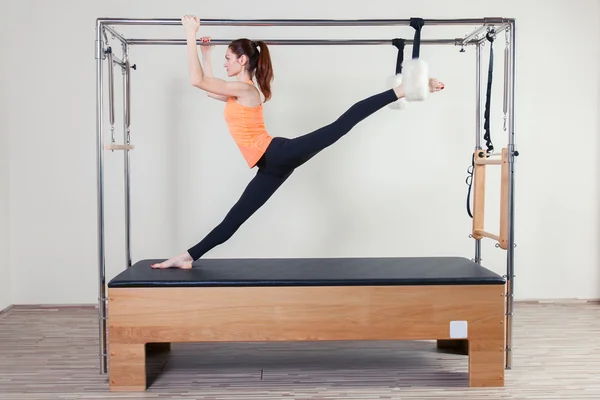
<point x="458" y="329"/>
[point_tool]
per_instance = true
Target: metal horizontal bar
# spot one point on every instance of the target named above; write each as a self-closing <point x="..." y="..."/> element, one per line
<point x="301" y="22"/>
<point x="296" y="42"/>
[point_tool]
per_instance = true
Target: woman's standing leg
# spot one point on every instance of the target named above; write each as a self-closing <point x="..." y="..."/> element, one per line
<point x="258" y="191"/>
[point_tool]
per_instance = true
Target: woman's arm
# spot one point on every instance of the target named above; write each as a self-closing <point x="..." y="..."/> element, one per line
<point x="207" y="63"/>
<point x="197" y="76"/>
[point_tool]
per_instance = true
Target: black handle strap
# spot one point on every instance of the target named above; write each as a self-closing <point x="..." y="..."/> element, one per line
<point x="469" y="182"/>
<point x="399" y="43"/>
<point x="417" y="24"/>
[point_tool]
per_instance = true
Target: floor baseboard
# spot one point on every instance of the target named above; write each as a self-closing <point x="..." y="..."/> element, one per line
<point x="6" y="310"/>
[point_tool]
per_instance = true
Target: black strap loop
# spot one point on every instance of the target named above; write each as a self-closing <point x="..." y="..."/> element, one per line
<point x="488" y="97"/>
<point x="399" y="43"/>
<point x="417" y="24"/>
<point x="487" y="135"/>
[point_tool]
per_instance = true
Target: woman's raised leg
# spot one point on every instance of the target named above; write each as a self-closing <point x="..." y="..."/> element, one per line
<point x="297" y="151"/>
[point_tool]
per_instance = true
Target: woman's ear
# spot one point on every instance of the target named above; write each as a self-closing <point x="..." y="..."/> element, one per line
<point x="243" y="60"/>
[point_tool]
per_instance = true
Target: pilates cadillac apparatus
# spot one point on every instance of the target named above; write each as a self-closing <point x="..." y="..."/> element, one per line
<point x="453" y="300"/>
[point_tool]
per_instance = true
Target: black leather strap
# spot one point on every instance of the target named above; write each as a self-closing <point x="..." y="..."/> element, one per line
<point x="417" y="24"/>
<point x="399" y="43"/>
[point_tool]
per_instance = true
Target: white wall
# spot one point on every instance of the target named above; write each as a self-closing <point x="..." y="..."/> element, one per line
<point x="5" y="293"/>
<point x="393" y="187"/>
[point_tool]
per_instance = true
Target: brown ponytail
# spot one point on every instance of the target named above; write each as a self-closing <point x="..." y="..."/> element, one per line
<point x="264" y="70"/>
<point x="259" y="62"/>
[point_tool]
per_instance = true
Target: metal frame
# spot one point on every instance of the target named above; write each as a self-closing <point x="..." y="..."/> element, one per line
<point x="475" y="37"/>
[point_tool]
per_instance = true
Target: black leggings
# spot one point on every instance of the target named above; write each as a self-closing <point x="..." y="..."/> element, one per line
<point x="282" y="157"/>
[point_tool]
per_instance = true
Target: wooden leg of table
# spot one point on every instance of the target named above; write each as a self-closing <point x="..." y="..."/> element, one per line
<point x="486" y="363"/>
<point x="127" y="368"/>
<point x="459" y="346"/>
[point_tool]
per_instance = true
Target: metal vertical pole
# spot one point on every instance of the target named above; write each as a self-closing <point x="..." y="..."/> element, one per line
<point x="100" y="199"/>
<point x="478" y="118"/>
<point x="126" y="140"/>
<point x="510" y="253"/>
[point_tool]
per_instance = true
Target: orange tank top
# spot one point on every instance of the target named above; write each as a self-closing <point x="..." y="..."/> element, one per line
<point x="247" y="127"/>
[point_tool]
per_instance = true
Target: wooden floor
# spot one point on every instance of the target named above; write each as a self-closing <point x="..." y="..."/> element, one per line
<point x="52" y="353"/>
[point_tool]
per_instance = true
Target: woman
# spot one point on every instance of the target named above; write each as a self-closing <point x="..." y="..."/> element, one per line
<point x="275" y="157"/>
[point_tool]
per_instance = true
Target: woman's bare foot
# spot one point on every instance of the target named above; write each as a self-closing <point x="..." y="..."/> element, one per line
<point x="434" y="86"/>
<point x="183" y="261"/>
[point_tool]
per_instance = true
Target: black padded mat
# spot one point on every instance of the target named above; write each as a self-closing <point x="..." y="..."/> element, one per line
<point x="310" y="272"/>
